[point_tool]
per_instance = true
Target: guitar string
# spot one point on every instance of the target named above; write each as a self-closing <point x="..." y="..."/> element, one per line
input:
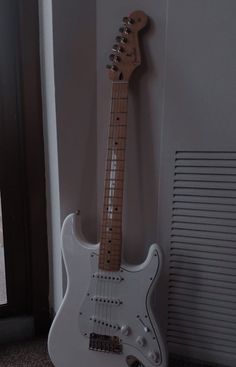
<point x="111" y="180"/>
<point x="118" y="133"/>
<point x="108" y="216"/>
<point x="99" y="281"/>
<point x="114" y="157"/>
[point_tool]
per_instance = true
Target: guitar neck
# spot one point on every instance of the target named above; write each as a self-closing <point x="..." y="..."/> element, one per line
<point x="111" y="226"/>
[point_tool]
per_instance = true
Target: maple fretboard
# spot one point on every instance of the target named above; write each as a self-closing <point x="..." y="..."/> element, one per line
<point x="111" y="227"/>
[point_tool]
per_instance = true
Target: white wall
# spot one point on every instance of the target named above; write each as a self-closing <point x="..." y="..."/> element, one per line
<point x="51" y="152"/>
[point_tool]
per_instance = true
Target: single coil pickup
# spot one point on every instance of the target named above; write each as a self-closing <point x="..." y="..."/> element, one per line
<point x="105" y="343"/>
<point x="106" y="323"/>
<point x="115" y="279"/>
<point x="107" y="300"/>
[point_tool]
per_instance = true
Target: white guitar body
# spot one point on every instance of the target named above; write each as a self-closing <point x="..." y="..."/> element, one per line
<point x="97" y="303"/>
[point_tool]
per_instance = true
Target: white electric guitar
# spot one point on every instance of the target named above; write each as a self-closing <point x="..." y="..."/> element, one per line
<point x="106" y="319"/>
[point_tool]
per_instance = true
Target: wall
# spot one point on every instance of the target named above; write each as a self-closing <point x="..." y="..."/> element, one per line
<point x="182" y="98"/>
<point x="51" y="152"/>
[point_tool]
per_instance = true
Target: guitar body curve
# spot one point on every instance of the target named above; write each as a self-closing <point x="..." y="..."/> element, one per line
<point x="105" y="318"/>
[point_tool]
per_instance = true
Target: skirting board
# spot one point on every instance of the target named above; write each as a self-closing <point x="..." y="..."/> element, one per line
<point x="181" y="361"/>
<point x="16" y="329"/>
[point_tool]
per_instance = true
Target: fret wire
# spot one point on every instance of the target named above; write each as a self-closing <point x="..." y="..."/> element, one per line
<point x="116" y="220"/>
<point x="114" y="179"/>
<point x="118" y="112"/>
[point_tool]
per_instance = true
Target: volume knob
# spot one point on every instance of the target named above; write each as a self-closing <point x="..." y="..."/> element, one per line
<point x="125" y="330"/>
<point x="140" y="341"/>
<point x="154" y="356"/>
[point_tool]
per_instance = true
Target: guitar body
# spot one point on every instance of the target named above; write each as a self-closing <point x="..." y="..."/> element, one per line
<point x="106" y="317"/>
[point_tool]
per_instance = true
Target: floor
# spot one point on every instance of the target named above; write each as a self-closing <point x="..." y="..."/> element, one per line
<point x="34" y="353"/>
<point x="28" y="354"/>
<point x="2" y="265"/>
<point x="2" y="277"/>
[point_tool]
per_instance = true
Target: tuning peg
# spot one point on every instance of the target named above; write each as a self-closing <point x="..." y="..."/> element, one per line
<point x="121" y="39"/>
<point x="125" y="30"/>
<point x="112" y="67"/>
<point x="117" y="48"/>
<point x="128" y="20"/>
<point x="114" y="58"/>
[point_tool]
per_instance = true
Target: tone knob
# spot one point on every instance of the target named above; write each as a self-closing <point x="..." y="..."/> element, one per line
<point x="154" y="356"/>
<point x="125" y="330"/>
<point x="140" y="341"/>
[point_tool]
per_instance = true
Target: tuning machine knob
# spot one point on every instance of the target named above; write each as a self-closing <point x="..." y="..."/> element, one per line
<point x="115" y="58"/>
<point x="117" y="48"/>
<point x="112" y="67"/>
<point x="121" y="39"/>
<point x="128" y="20"/>
<point x="141" y="341"/>
<point x="154" y="356"/>
<point x="125" y="30"/>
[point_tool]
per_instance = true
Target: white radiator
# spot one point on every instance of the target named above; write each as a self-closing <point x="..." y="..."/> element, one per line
<point x="202" y="282"/>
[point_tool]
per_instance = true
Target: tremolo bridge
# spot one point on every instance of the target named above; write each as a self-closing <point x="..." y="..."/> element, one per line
<point x="104" y="343"/>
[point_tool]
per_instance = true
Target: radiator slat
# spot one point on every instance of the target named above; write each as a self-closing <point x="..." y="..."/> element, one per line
<point x="202" y="280"/>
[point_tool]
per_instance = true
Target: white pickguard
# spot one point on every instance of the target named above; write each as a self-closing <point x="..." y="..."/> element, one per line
<point x="105" y="303"/>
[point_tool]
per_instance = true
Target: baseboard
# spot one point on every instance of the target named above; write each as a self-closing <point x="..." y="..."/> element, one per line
<point x="182" y="361"/>
<point x="16" y="329"/>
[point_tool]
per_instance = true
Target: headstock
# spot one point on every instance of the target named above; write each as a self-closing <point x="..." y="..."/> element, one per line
<point x="125" y="55"/>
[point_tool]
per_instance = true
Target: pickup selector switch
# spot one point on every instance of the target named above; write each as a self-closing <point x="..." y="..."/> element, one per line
<point x="154" y="356"/>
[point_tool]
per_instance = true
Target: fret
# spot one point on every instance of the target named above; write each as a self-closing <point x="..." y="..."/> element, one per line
<point x="113" y="249"/>
<point x="119" y="112"/>
<point x="113" y="236"/>
<point x="110" y="253"/>
<point x="118" y="125"/>
<point x="113" y="194"/>
<point x="118" y="165"/>
<point x="118" y="118"/>
<point x="115" y="174"/>
<point x="116" y="138"/>
<point x="120" y="90"/>
<point x="108" y="226"/>
<point x="119" y="98"/>
<point x="114" y="170"/>
<point x="119" y="154"/>
<point x="112" y="184"/>
<point x="114" y="150"/>
<point x="113" y="201"/>
<point x="110" y="222"/>
<point x="115" y="180"/>
<point x="118" y="132"/>
<point x="119" y="105"/>
<point x="112" y="244"/>
<point x="114" y="211"/>
<point x="115" y="160"/>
